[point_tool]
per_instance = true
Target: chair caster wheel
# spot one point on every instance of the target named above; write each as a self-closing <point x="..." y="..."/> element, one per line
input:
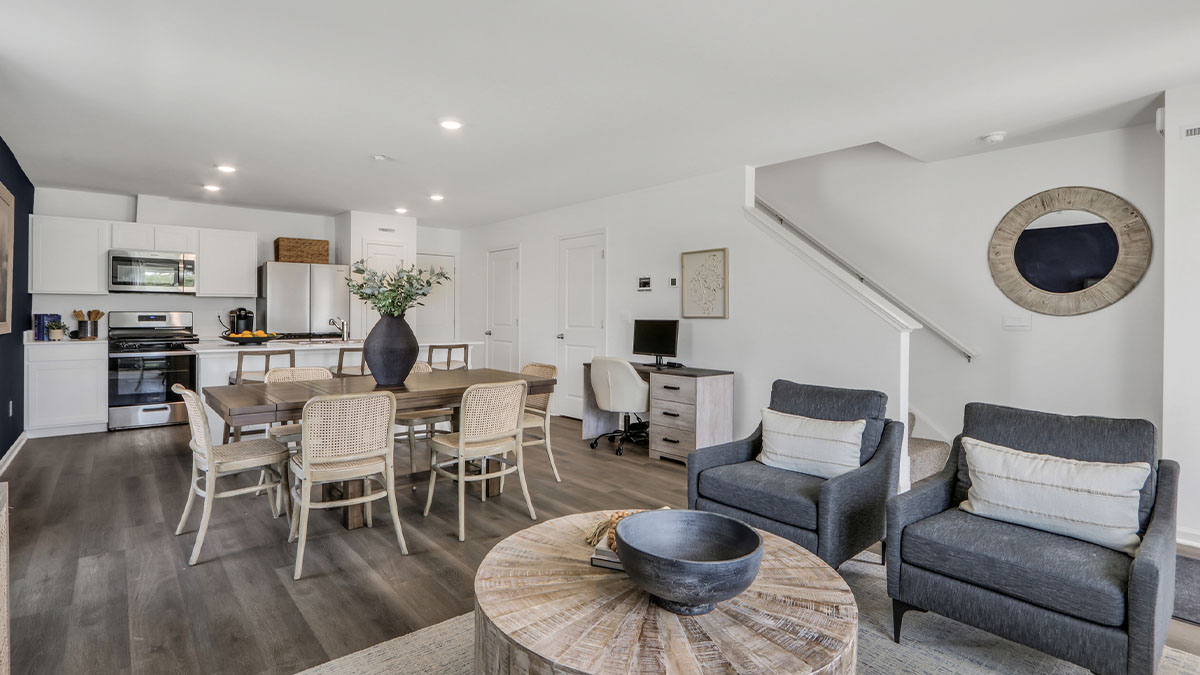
<point x="620" y="451"/>
<point x="593" y="444"/>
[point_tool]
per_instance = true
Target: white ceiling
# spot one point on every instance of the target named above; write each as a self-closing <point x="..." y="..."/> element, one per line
<point x="562" y="101"/>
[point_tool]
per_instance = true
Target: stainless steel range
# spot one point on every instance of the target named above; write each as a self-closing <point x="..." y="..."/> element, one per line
<point x="147" y="353"/>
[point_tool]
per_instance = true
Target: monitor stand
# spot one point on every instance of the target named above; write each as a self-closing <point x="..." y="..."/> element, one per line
<point x="658" y="364"/>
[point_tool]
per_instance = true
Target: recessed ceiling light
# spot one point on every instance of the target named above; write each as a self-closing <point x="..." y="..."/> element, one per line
<point x="226" y="168"/>
<point x="436" y="198"/>
<point x="401" y="210"/>
<point x="994" y="137"/>
<point x="380" y="157"/>
<point x="213" y="188"/>
<point x="451" y="124"/>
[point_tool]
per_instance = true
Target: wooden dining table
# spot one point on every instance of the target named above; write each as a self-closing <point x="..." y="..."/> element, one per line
<point x="242" y="405"/>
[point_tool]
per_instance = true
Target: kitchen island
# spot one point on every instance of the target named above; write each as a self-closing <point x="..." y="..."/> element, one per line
<point x="216" y="359"/>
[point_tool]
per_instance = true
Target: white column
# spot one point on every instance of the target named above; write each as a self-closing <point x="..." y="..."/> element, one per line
<point x="1181" y="303"/>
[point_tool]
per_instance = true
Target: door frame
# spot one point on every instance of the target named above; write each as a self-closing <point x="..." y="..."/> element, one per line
<point x="487" y="279"/>
<point x="558" y="300"/>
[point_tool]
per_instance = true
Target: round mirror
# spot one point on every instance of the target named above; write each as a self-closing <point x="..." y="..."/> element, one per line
<point x="1069" y="250"/>
<point x="1066" y="251"/>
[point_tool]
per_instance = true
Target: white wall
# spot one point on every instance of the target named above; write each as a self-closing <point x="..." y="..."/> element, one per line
<point x="785" y="319"/>
<point x="1181" y="358"/>
<point x="922" y="230"/>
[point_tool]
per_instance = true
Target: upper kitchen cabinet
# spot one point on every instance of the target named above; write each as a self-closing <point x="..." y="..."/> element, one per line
<point x="146" y="237"/>
<point x="227" y="264"/>
<point x="68" y="255"/>
<point x="133" y="236"/>
<point x="385" y="241"/>
<point x="175" y="238"/>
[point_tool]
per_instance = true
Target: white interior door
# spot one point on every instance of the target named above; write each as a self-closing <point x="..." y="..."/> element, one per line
<point x="581" y="307"/>
<point x="434" y="321"/>
<point x="382" y="256"/>
<point x="504" y="308"/>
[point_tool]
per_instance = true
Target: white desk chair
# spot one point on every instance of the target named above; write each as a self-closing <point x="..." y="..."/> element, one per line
<point x="620" y="389"/>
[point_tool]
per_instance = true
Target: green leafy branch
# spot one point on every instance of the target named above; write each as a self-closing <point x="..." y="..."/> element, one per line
<point x="394" y="293"/>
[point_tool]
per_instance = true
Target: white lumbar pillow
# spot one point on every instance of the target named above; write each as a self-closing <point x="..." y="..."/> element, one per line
<point x="816" y="447"/>
<point x="1092" y="501"/>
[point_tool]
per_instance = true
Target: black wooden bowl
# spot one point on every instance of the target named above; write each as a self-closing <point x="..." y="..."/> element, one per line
<point x="688" y="560"/>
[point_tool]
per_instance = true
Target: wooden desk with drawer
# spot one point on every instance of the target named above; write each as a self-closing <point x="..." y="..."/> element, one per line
<point x="690" y="408"/>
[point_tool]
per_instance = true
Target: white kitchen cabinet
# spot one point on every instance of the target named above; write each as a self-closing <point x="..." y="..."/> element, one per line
<point x="66" y="388"/>
<point x="147" y="237"/>
<point x="133" y="236"/>
<point x="68" y="255"/>
<point x="227" y="264"/>
<point x="178" y="239"/>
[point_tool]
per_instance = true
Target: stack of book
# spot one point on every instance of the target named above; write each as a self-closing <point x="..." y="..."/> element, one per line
<point x="39" y="325"/>
<point x="606" y="557"/>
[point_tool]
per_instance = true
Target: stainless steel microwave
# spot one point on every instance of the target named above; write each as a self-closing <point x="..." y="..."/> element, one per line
<point x="151" y="272"/>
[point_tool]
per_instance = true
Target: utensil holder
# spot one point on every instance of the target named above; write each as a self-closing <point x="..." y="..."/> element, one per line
<point x="89" y="330"/>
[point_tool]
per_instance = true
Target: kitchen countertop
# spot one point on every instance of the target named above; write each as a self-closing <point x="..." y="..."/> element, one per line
<point x="218" y="346"/>
<point x="65" y="341"/>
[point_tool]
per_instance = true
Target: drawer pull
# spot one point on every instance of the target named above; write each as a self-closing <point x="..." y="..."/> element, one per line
<point x="670" y="440"/>
<point x="670" y="414"/>
<point x="671" y="387"/>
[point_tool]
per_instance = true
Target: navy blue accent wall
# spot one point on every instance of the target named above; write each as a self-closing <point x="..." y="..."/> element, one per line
<point x="12" y="366"/>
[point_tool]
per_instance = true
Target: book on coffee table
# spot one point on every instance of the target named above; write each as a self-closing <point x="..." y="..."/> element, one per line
<point x="606" y="557"/>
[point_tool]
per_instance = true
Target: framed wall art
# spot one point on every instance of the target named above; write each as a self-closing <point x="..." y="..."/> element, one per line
<point x="706" y="284"/>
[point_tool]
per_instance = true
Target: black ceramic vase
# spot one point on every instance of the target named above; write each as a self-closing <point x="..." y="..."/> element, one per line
<point x="390" y="350"/>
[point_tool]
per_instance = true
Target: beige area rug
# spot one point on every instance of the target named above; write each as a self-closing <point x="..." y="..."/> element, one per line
<point x="932" y="645"/>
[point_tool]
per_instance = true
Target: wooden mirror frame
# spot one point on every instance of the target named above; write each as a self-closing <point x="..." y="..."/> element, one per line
<point x="1133" y="254"/>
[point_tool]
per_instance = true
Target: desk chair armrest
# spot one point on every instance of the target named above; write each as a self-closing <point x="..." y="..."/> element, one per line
<point x="1151" y="595"/>
<point x="733" y="452"/>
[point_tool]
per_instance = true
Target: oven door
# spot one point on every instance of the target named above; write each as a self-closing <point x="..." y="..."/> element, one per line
<point x="139" y="388"/>
<point x="151" y="272"/>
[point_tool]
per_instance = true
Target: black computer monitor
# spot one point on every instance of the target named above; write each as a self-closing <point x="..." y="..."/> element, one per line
<point x="657" y="338"/>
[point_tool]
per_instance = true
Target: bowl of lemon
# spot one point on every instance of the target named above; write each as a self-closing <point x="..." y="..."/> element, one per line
<point x="249" y="338"/>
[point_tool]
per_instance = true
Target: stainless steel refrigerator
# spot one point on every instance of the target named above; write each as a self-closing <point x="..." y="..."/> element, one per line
<point x="302" y="298"/>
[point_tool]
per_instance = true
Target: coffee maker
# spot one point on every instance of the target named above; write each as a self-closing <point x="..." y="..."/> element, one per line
<point x="241" y="320"/>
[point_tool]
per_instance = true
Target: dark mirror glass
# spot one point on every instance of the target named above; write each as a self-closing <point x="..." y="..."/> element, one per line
<point x="1066" y="251"/>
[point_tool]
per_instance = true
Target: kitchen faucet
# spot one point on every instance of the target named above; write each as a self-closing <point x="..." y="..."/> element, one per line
<point x="340" y="324"/>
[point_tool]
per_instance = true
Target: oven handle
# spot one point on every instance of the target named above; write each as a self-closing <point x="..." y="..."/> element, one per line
<point x="124" y="355"/>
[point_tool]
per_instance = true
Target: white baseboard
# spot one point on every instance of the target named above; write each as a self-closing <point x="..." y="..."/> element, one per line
<point x="12" y="452"/>
<point x="1187" y="536"/>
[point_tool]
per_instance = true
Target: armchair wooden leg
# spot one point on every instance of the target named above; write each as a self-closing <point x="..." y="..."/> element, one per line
<point x="462" y="499"/>
<point x="390" y="477"/>
<point x="524" y="486"/>
<point x="549" y="453"/>
<point x="899" y="609"/>
<point x="432" y="480"/>
<point x="187" y="508"/>
<point x="210" y="491"/>
<point x="303" y="534"/>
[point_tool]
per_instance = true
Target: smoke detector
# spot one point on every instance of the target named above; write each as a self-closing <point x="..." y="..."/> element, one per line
<point x="994" y="137"/>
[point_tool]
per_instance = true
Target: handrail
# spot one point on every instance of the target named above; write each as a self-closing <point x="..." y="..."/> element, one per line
<point x="863" y="278"/>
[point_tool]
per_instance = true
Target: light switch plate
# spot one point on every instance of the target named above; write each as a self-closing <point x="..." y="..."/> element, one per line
<point x="1022" y="321"/>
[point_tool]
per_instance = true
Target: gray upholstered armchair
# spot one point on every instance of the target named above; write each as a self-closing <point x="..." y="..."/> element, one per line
<point x="836" y="518"/>
<point x="1093" y="606"/>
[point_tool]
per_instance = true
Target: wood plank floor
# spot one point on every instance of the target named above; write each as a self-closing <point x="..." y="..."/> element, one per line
<point x="100" y="584"/>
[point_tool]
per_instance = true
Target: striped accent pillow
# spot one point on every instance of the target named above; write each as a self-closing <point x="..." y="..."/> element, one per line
<point x="1092" y="501"/>
<point x="816" y="447"/>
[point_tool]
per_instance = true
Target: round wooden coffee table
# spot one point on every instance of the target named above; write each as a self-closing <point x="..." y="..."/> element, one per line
<point x="541" y="607"/>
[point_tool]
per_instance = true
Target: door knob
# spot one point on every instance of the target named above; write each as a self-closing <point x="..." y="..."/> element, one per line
<point x="560" y="336"/>
<point x="487" y="332"/>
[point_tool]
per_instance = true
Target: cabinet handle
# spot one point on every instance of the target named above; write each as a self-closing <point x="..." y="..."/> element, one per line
<point x="670" y="414"/>
<point x="156" y="409"/>
<point x="670" y="440"/>
<point x="671" y="387"/>
<point x="487" y="332"/>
